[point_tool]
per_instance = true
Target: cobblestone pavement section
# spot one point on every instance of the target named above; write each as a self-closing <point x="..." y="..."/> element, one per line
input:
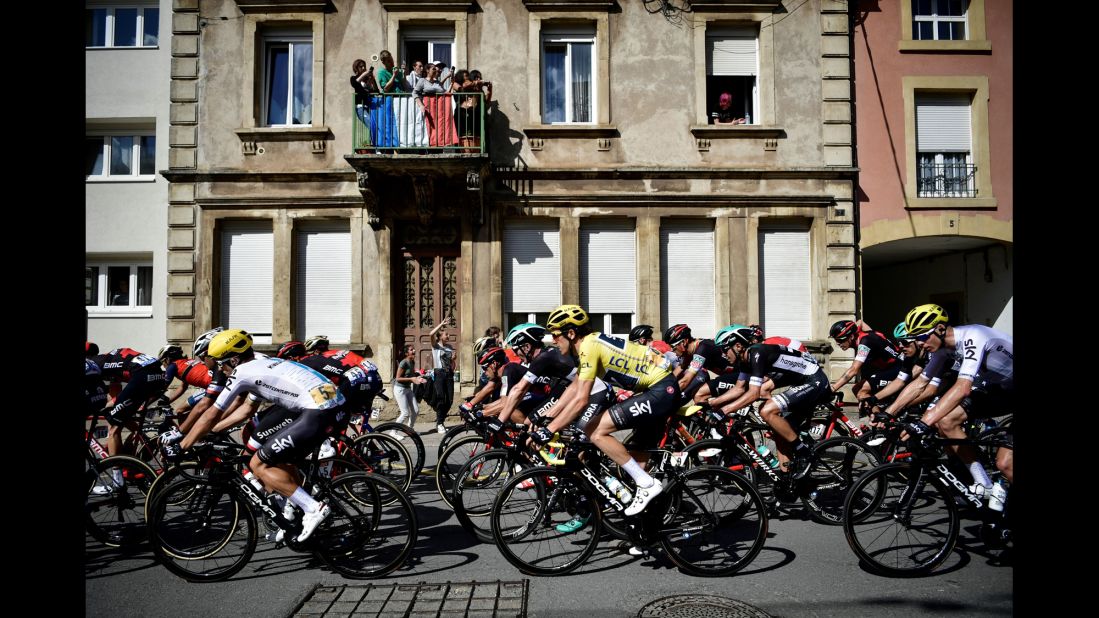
<point x="497" y="599"/>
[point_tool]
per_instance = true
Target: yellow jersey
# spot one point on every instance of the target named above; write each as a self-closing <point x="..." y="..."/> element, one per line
<point x="619" y="362"/>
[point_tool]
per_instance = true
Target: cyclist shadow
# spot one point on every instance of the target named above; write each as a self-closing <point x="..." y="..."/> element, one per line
<point x="105" y="561"/>
<point x="439" y="549"/>
<point x="609" y="554"/>
<point x="995" y="555"/>
<point x="762" y="563"/>
<point x="269" y="561"/>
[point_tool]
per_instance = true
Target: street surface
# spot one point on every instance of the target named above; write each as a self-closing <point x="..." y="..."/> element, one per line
<point x="805" y="569"/>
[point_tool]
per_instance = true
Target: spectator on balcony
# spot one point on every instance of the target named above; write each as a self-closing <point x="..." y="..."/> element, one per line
<point x="446" y="74"/>
<point x="724" y="113"/>
<point x="435" y="110"/>
<point x="416" y="75"/>
<point x="365" y="86"/>
<point x="467" y="117"/>
<point x="390" y="80"/>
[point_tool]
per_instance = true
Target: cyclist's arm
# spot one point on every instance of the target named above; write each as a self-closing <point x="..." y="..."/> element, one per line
<point x="893" y="387"/>
<point x="685" y="377"/>
<point x="729" y="395"/>
<point x="239" y="412"/>
<point x="562" y="402"/>
<point x="485" y="391"/>
<point x="765" y="390"/>
<point x="908" y="395"/>
<point x="571" y="410"/>
<point x="515" y="395"/>
<point x="206" y="419"/>
<point x="491" y="408"/>
<point x="196" y="413"/>
<point x="948" y="401"/>
<point x="748" y="398"/>
<point x="927" y="394"/>
<point x="847" y="376"/>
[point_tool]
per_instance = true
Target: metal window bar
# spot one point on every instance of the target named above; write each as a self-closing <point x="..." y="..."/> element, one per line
<point x="946" y="180"/>
<point x="389" y="123"/>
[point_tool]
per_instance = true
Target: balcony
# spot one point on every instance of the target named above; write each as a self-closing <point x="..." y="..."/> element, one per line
<point x="406" y="151"/>
<point x="949" y="180"/>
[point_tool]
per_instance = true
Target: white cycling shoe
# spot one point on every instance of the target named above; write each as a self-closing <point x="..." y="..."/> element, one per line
<point x="642" y="497"/>
<point x="311" y="520"/>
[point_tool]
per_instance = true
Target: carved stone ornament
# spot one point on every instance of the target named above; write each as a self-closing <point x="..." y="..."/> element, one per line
<point x="370" y="200"/>
<point x="424" y="188"/>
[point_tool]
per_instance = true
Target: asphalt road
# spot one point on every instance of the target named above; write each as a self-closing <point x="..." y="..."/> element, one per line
<point x="805" y="569"/>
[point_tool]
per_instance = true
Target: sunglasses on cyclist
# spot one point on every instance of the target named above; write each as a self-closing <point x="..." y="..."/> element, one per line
<point x="923" y="337"/>
<point x="555" y="334"/>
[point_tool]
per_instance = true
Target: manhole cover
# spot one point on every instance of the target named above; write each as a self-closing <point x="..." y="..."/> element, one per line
<point x="700" y="606"/>
<point x="467" y="599"/>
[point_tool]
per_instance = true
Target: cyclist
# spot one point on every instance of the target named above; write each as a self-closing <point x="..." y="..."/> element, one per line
<point x="729" y="386"/>
<point x="191" y="372"/>
<point x="787" y="410"/>
<point x="95" y="392"/>
<point x="492" y="362"/>
<point x="877" y="361"/>
<point x="144" y="382"/>
<point x="984" y="387"/>
<point x="316" y="344"/>
<point x="912" y="359"/>
<point x="316" y="405"/>
<point x="357" y="378"/>
<point x="703" y="354"/>
<point x="545" y="376"/>
<point x="620" y="363"/>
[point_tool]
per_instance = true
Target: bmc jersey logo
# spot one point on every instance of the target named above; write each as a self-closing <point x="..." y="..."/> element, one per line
<point x="282" y="443"/>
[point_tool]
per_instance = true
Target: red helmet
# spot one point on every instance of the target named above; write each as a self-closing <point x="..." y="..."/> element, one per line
<point x="291" y="350"/>
<point x="90" y="349"/>
<point x="492" y="355"/>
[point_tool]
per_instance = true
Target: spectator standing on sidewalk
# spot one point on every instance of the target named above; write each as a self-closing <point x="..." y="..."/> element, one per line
<point x="405" y="378"/>
<point x="442" y="354"/>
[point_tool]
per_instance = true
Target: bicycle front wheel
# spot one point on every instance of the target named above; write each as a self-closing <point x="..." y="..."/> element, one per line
<point x="720" y="525"/>
<point x="475" y="488"/>
<point x="372" y="527"/>
<point x="900" y="521"/>
<point x="837" y="464"/>
<point x="548" y="526"/>
<point x="417" y="450"/>
<point x="114" y="510"/>
<point x="383" y="455"/>
<point x="453" y="458"/>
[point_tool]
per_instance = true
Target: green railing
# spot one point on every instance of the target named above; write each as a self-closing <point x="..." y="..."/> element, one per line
<point x="391" y="123"/>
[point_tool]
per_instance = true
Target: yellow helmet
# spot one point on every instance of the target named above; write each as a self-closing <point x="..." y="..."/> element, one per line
<point x="565" y="316"/>
<point x="924" y="318"/>
<point x="229" y="343"/>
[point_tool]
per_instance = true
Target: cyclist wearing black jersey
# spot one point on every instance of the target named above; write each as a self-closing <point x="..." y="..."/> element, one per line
<point x="876" y="359"/>
<point x="546" y="374"/>
<point x="144" y="382"/>
<point x="695" y="356"/>
<point x="190" y="372"/>
<point x="95" y="391"/>
<point x="787" y="410"/>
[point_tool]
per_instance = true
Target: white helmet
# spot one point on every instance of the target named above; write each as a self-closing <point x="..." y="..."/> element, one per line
<point x="203" y="341"/>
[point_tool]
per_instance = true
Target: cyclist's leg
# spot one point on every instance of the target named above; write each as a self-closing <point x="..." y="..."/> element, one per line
<point x="652" y="406"/>
<point x="127" y="402"/>
<point x="788" y="410"/>
<point x="1005" y="463"/>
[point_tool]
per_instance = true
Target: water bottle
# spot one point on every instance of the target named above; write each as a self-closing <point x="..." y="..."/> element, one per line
<point x="619" y="490"/>
<point x="997" y="497"/>
<point x="327" y="451"/>
<point x="765" y="453"/>
<point x="747" y="118"/>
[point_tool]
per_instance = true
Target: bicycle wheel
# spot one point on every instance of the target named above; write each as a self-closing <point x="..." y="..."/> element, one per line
<point x="417" y="451"/>
<point x="451" y="435"/>
<point x="453" y="458"/>
<point x="720" y="524"/>
<point x="371" y="530"/>
<point x="201" y="530"/>
<point x="837" y="464"/>
<point x="475" y="487"/>
<point x="115" y="504"/>
<point x="525" y="521"/>
<point x="166" y="478"/>
<point x="383" y="455"/>
<point x="900" y="520"/>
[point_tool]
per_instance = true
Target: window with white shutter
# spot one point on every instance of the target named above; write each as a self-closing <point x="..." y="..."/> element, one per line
<point x="247" y="277"/>
<point x="732" y="66"/>
<point x="687" y="275"/>
<point x="785" y="287"/>
<point x="608" y="273"/>
<point x="322" y="280"/>
<point x="944" y="136"/>
<point x="532" y="270"/>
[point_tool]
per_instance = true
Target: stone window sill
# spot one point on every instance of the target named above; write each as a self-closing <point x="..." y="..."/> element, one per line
<point x="944" y="46"/>
<point x="952" y="203"/>
<point x="571" y="130"/>
<point x="737" y="131"/>
<point x="283" y="134"/>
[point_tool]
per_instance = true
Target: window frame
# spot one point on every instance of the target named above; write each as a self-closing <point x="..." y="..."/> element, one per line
<point x="109" y="29"/>
<point x="976" y="40"/>
<point x="934" y="18"/>
<point x="763" y="117"/>
<point x="542" y="20"/>
<point x="568" y="40"/>
<point x="131" y="310"/>
<point x="135" y="155"/>
<point x="271" y="40"/>
<point x="714" y="31"/>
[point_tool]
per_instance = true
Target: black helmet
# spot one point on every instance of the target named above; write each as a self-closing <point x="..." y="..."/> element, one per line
<point x="841" y="330"/>
<point x="641" y="331"/>
<point x="677" y="333"/>
<point x="170" y="352"/>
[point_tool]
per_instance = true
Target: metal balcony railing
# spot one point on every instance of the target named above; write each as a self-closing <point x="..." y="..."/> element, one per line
<point x="946" y="180"/>
<point x="390" y="123"/>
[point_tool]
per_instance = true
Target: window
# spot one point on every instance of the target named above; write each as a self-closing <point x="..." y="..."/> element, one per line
<point x="322" y="275"/>
<point x="939" y="20"/>
<point x="247" y="277"/>
<point x="786" y="302"/>
<point x="119" y="288"/>
<point x="120" y="155"/>
<point x="944" y="159"/>
<point x="531" y="270"/>
<point x="608" y="273"/>
<point x="568" y="88"/>
<point x="428" y="44"/>
<point x="288" y="79"/>
<point x="129" y="26"/>
<point x="687" y="288"/>
<point x="732" y="66"/>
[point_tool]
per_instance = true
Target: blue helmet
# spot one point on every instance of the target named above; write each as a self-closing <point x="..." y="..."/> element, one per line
<point x="526" y="333"/>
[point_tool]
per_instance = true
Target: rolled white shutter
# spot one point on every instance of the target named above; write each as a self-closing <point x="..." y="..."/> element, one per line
<point x="608" y="266"/>
<point x="532" y="266"/>
<point x="687" y="275"/>
<point x="943" y="123"/>
<point x="732" y="51"/>
<point x="322" y="273"/>
<point x="247" y="277"/>
<point x="786" y="301"/>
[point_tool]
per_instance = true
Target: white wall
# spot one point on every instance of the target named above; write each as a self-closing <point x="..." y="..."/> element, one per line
<point x="890" y="292"/>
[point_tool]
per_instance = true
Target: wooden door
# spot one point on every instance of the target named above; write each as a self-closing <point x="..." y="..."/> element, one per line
<point x="431" y="291"/>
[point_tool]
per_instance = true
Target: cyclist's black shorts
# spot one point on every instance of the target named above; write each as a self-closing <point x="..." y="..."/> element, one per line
<point x="986" y="400"/>
<point x="303" y="434"/>
<point x="882" y="378"/>
<point x="269" y="422"/>
<point x="723" y="383"/>
<point x="598" y="402"/>
<point x="696" y="383"/>
<point x="797" y="402"/>
<point x="646" y="413"/>
<point x="95" y="395"/>
<point x="144" y="384"/>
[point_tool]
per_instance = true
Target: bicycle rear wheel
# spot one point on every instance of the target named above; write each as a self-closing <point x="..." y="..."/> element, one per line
<point x="371" y="530"/>
<point x="525" y="521"/>
<point x="837" y="464"/>
<point x="452" y="434"/>
<point x="900" y="521"/>
<point x="114" y="510"/>
<point x="476" y="485"/>
<point x="383" y="455"/>
<point x="453" y="458"/>
<point x="720" y="524"/>
<point x="202" y="531"/>
<point x="417" y="451"/>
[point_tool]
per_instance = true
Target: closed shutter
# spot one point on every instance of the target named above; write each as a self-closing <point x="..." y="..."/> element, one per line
<point x="608" y="266"/>
<point x="322" y="273"/>
<point x="532" y="266"/>
<point x="786" y="301"/>
<point x="247" y="277"/>
<point x="687" y="275"/>
<point x="943" y="123"/>
<point x="732" y="51"/>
